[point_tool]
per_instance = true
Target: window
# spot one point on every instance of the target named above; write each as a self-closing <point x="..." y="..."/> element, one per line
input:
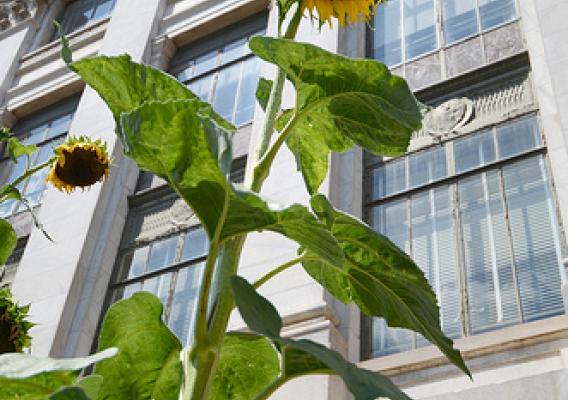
<point x="170" y="268"/>
<point x="79" y="13"/>
<point x="223" y="71"/>
<point x="406" y="29"/>
<point x="46" y="130"/>
<point x="483" y="227"/>
<point x="170" y="263"/>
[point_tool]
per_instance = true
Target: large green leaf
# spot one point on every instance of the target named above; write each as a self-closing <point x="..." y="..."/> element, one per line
<point x="303" y="357"/>
<point x="340" y="101"/>
<point x="70" y="393"/>
<point x="125" y="85"/>
<point x="380" y="278"/>
<point x="248" y="363"/>
<point x="148" y="364"/>
<point x="8" y="240"/>
<point x="178" y="141"/>
<point x="37" y="387"/>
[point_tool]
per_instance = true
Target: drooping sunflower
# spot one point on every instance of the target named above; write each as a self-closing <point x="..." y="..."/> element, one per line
<point x="344" y="10"/>
<point x="14" y="328"/>
<point x="80" y="162"/>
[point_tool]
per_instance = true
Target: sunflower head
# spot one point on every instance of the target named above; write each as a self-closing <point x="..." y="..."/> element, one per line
<point x="80" y="162"/>
<point x="14" y="336"/>
<point x="350" y="11"/>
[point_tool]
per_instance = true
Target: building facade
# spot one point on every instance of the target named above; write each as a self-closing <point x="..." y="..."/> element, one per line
<point x="480" y="200"/>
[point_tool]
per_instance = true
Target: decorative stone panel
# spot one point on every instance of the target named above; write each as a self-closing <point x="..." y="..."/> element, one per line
<point x="503" y="43"/>
<point x="464" y="57"/>
<point x="158" y="218"/>
<point x="496" y="101"/>
<point x="424" y="72"/>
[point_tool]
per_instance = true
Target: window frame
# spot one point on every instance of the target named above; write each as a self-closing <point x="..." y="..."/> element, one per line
<point x="27" y="124"/>
<point x="442" y="44"/>
<point x="63" y="15"/>
<point x="451" y="181"/>
<point x="189" y="52"/>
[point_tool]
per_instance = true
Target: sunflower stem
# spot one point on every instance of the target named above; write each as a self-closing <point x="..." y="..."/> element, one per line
<point x="272" y="108"/>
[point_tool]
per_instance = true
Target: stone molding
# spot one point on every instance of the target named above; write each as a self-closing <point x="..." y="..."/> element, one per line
<point x="14" y="12"/>
<point x="157" y="219"/>
<point x="488" y="105"/>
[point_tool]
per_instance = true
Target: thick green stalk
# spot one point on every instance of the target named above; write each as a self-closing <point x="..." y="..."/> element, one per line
<point x="272" y="108"/>
<point x="202" y="360"/>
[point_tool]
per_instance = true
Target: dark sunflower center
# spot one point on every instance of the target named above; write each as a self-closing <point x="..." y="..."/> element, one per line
<point x="6" y="345"/>
<point x="82" y="168"/>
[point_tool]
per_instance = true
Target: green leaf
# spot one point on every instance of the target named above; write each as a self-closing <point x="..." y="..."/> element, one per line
<point x="148" y="364"/>
<point x="180" y="142"/>
<point x="340" y="101"/>
<point x="125" y="85"/>
<point x="258" y="313"/>
<point x="263" y="92"/>
<point x="248" y="363"/>
<point x="381" y="279"/>
<point x="17" y="149"/>
<point x="37" y="387"/>
<point x="66" y="54"/>
<point x="4" y="134"/>
<point x="303" y="357"/>
<point x="8" y="240"/>
<point x="20" y="365"/>
<point x="91" y="385"/>
<point x="70" y="393"/>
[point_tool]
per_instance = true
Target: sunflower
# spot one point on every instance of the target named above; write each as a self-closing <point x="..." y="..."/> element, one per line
<point x="80" y="162"/>
<point x="14" y="336"/>
<point x="344" y="10"/>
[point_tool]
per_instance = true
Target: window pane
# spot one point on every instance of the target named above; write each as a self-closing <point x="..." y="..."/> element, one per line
<point x="195" y="245"/>
<point x="162" y="254"/>
<point x="487" y="252"/>
<point x="389" y="340"/>
<point x="518" y="137"/>
<point x="77" y="14"/>
<point x="419" y="27"/>
<point x="103" y="9"/>
<point x="234" y="50"/>
<point x="474" y="151"/>
<point x="459" y="19"/>
<point x="434" y="250"/>
<point x="535" y="236"/>
<point x="184" y="303"/>
<point x="226" y="90"/>
<point x="35" y="135"/>
<point x="59" y="126"/>
<point x="201" y="87"/>
<point x="159" y="286"/>
<point x="389" y="179"/>
<point x="428" y="166"/>
<point x="495" y="12"/>
<point x="387" y="33"/>
<point x="247" y="92"/>
<point x="127" y="291"/>
<point x="205" y="63"/>
<point x="391" y="220"/>
<point x="138" y="265"/>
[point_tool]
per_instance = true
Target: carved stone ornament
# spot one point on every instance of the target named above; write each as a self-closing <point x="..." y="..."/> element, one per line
<point x="15" y="11"/>
<point x="4" y="17"/>
<point x="20" y="10"/>
<point x="181" y="215"/>
<point x="448" y="117"/>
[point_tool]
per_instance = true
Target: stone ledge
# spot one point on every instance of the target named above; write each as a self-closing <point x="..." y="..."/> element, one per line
<point x="509" y="338"/>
